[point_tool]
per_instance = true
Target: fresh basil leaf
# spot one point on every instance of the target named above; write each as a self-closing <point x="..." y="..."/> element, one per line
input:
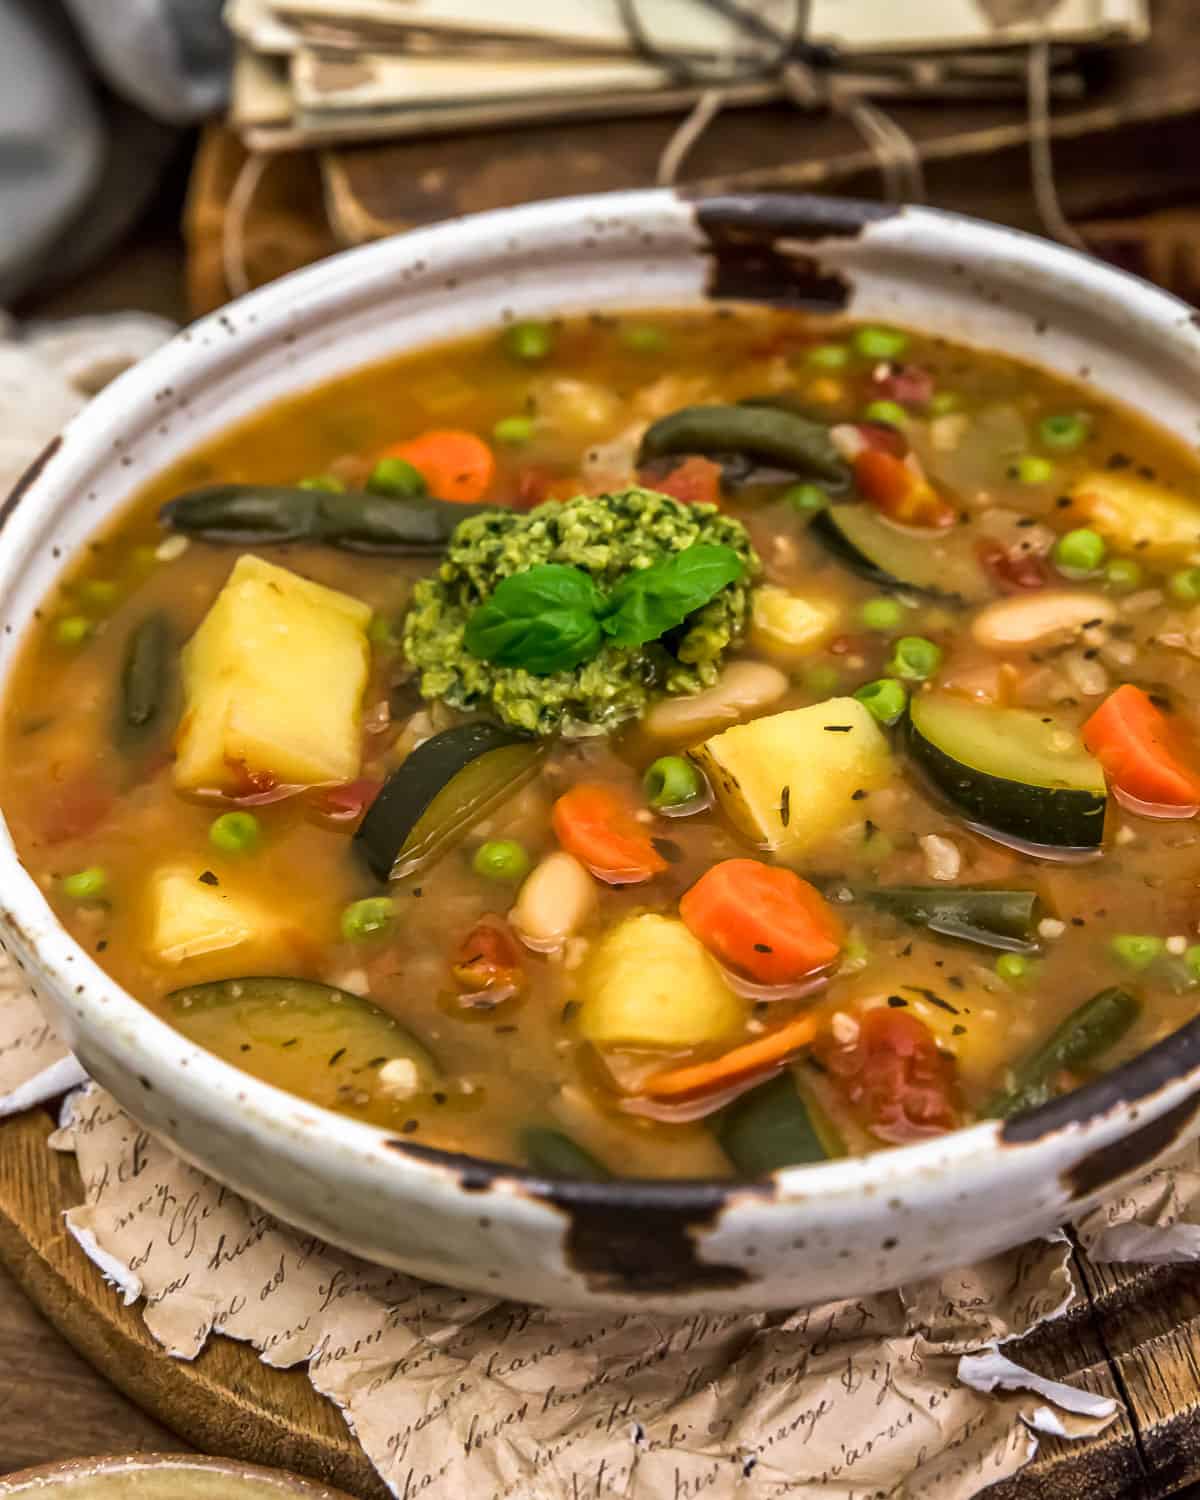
<point x="648" y="603"/>
<point x="543" y="620"/>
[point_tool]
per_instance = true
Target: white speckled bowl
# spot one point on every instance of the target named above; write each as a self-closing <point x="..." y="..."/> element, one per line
<point x="810" y="1233"/>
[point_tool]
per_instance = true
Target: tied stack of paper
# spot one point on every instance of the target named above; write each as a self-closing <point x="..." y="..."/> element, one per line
<point x="315" y="72"/>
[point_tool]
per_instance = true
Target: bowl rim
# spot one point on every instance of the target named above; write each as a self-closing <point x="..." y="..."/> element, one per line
<point x="23" y="907"/>
<point x="281" y="1481"/>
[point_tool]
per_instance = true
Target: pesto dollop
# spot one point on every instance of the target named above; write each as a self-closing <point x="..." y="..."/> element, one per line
<point x="608" y="536"/>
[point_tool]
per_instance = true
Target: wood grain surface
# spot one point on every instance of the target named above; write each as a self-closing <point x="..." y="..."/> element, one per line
<point x="1136" y="1338"/>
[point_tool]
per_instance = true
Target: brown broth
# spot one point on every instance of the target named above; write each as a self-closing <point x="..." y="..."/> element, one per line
<point x="523" y="1063"/>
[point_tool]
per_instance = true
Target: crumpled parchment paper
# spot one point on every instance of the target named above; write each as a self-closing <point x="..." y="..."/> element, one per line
<point x="457" y="1394"/>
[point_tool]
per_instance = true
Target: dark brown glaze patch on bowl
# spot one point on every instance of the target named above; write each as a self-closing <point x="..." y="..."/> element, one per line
<point x="635" y="1236"/>
<point x="1096" y="1172"/>
<point x="1176" y="1056"/>
<point x="33" y="472"/>
<point x="754" y="246"/>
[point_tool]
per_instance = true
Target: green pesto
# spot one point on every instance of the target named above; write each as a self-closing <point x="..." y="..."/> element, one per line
<point x="606" y="536"/>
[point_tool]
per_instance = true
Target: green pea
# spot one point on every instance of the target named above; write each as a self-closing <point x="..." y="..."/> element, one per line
<point x="881" y="614"/>
<point x="885" y="698"/>
<point x="1123" y="574"/>
<point x="73" y="630"/>
<point x="98" y="592"/>
<point x="1080" y="551"/>
<point x="528" y="342"/>
<point x="1034" y="470"/>
<point x="501" y="859"/>
<point x="672" y="782"/>
<point x="643" y="338"/>
<point x="891" y="413"/>
<point x="943" y="402"/>
<point x="330" y="483"/>
<point x="822" y="679"/>
<point x="234" y="832"/>
<point x="1064" y="431"/>
<point x="828" y="356"/>
<point x="1012" y="967"/>
<point x="367" y="918"/>
<point x="514" y="432"/>
<point x="874" y="342"/>
<point x="86" y="885"/>
<point x="398" y="478"/>
<point x="914" y="658"/>
<point x="1185" y="585"/>
<point x="806" y="498"/>
<point x="1137" y="949"/>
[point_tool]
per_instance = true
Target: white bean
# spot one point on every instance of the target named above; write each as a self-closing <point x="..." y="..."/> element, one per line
<point x="742" y="688"/>
<point x="553" y="904"/>
<point x="1023" y="619"/>
<point x="943" y="858"/>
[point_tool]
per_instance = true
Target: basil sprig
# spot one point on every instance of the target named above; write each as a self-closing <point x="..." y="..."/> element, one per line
<point x="553" y="618"/>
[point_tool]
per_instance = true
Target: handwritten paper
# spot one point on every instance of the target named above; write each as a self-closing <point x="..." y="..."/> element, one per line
<point x="34" y="1064"/>
<point x="457" y="1393"/>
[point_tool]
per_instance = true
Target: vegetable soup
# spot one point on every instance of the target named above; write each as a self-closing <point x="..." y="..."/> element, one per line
<point x="666" y="746"/>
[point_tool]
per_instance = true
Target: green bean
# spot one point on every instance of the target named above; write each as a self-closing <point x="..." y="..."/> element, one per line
<point x="766" y="432"/>
<point x="245" y="514"/>
<point x="1089" y="1031"/>
<point x="993" y="918"/>
<point x="773" y="1127"/>
<point x="144" y="673"/>
<point x="556" y="1154"/>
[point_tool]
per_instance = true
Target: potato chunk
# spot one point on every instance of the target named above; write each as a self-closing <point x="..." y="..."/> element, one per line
<point x="788" y="780"/>
<point x="189" y="918"/>
<point x="787" y="625"/>
<point x="1138" y="515"/>
<point x="273" y="682"/>
<point x="650" y="983"/>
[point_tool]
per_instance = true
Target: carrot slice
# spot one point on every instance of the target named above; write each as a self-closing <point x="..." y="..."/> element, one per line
<point x="1138" y="747"/>
<point x="597" y="826"/>
<point x="764" y="921"/>
<point x="892" y="487"/>
<point x="723" y="1072"/>
<point x="455" y="465"/>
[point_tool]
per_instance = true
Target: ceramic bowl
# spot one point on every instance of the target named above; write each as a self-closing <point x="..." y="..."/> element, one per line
<point x="160" y="1476"/>
<point x="809" y="1233"/>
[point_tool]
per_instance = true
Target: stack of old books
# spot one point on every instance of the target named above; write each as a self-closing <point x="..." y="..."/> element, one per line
<point x="316" y="72"/>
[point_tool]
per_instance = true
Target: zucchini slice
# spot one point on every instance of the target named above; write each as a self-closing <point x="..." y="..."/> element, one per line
<point x="557" y="1155"/>
<point x="444" y="787"/>
<point x="303" y="1035"/>
<point x="774" y="1126"/>
<point x="1011" y="771"/>
<point x="897" y="557"/>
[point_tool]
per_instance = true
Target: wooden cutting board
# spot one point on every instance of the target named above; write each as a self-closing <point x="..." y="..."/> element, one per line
<point x="1137" y="1338"/>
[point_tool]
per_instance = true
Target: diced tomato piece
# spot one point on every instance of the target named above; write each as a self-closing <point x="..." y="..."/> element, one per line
<point x="1012" y="571"/>
<point x="75" y="807"/>
<point x="910" y="385"/>
<point x="1141" y="750"/>
<point x="487" y="968"/>
<point x="597" y="826"/>
<point x="898" y="1083"/>
<point x="533" y="486"/>
<point x="695" y="481"/>
<point x="762" y="920"/>
<point x="882" y="437"/>
<point x="346" y="802"/>
<point x="902" y="495"/>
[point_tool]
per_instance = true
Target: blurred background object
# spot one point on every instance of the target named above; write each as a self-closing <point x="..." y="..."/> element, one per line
<point x="326" y="123"/>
